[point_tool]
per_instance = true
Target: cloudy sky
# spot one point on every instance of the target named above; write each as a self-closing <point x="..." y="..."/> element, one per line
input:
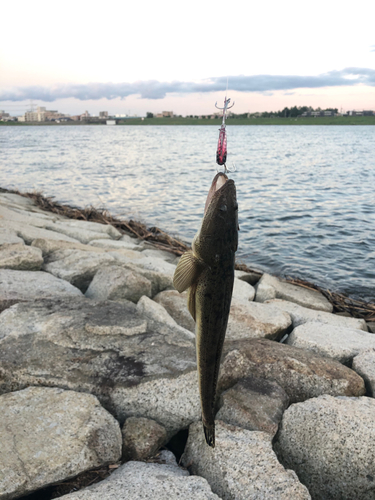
<point x="132" y="57"/>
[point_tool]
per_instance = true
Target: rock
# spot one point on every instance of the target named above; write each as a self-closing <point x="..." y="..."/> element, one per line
<point x="302" y="374"/>
<point x="329" y="442"/>
<point x="172" y="402"/>
<point x="76" y="266"/>
<point x="338" y="343"/>
<point x="242" y="466"/>
<point x="250" y="320"/>
<point x="147" y="481"/>
<point x="49" y="435"/>
<point x="16" y="200"/>
<point x="371" y="326"/>
<point x="255" y="404"/>
<point x="153" y="253"/>
<point x="364" y="365"/>
<point x="246" y="319"/>
<point x="20" y="286"/>
<point x="301" y="315"/>
<point x="49" y="246"/>
<point x="135" y="366"/>
<point x="18" y="216"/>
<point x="270" y="287"/>
<point x="31" y="233"/>
<point x="117" y="283"/>
<point x="84" y="231"/>
<point x="141" y="438"/>
<point x="8" y="237"/>
<point x="176" y="305"/>
<point x="156" y="264"/>
<point x="243" y="291"/>
<point x="234" y="366"/>
<point x="19" y="256"/>
<point x="157" y="313"/>
<point x="159" y="281"/>
<point x="251" y="277"/>
<point x="116" y="244"/>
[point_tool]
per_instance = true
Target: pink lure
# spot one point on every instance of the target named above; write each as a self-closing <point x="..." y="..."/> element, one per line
<point x="221" y="152"/>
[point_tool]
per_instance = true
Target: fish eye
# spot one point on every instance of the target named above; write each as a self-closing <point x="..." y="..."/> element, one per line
<point x="223" y="208"/>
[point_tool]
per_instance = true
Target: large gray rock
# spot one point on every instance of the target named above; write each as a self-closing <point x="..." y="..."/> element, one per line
<point x="26" y="217"/>
<point x="301" y="315"/>
<point x="160" y="254"/>
<point x="255" y="404"/>
<point x="175" y="304"/>
<point x="329" y="442"/>
<point x="147" y="481"/>
<point x="156" y="312"/>
<point x="141" y="438"/>
<point x="49" y="435"/>
<point x="121" y="244"/>
<point x="9" y="237"/>
<point x="79" y="266"/>
<point x="172" y="402"/>
<point x="246" y="320"/>
<point x="50" y="246"/>
<point x="156" y="264"/>
<point x="335" y="342"/>
<point x="104" y="348"/>
<point x="29" y="233"/>
<point x="242" y="466"/>
<point x="20" y="286"/>
<point x="270" y="287"/>
<point x="242" y="290"/>
<point x="302" y="374"/>
<point x="76" y="266"/>
<point x="364" y="365"/>
<point x="84" y="231"/>
<point x="251" y="320"/>
<point x="22" y="257"/>
<point x="117" y="283"/>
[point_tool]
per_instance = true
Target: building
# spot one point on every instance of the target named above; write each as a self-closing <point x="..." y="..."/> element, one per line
<point x="41" y="115"/>
<point x="165" y="114"/>
<point x="103" y="114"/>
<point x="318" y="113"/>
<point x="364" y="112"/>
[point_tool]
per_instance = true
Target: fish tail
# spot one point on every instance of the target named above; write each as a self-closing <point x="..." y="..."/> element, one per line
<point x="209" y="433"/>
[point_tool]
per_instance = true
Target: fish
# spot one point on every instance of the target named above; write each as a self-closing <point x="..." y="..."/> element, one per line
<point x="207" y="272"/>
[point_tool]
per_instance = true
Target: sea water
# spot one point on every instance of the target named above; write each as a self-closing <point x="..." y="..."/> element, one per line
<point x="305" y="193"/>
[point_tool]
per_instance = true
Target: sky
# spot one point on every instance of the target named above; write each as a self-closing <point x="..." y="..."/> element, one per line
<point x="130" y="57"/>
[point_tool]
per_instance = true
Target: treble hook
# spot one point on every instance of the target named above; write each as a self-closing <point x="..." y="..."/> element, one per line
<point x="226" y="105"/>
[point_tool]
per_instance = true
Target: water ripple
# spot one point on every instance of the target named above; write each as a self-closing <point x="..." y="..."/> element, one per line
<point x="305" y="193"/>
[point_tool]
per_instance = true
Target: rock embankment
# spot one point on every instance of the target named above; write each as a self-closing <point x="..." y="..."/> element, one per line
<point x="98" y="369"/>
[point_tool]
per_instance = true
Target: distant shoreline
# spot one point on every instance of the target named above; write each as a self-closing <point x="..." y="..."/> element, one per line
<point x="321" y="120"/>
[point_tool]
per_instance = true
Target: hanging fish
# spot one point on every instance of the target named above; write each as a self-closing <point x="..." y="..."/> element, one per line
<point x="221" y="152"/>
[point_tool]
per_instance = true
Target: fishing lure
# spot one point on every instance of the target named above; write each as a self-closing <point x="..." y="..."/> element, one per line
<point x="221" y="152"/>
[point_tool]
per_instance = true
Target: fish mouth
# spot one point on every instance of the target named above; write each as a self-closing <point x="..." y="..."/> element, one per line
<point x="220" y="180"/>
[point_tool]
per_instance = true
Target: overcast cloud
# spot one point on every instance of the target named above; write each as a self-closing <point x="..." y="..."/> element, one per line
<point x="153" y="89"/>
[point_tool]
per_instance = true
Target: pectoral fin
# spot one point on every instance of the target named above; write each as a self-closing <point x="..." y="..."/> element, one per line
<point x="187" y="271"/>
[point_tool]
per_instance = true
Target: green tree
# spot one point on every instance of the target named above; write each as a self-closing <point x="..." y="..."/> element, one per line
<point x="149" y="115"/>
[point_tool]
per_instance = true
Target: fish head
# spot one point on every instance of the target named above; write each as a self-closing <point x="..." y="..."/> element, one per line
<point x="219" y="230"/>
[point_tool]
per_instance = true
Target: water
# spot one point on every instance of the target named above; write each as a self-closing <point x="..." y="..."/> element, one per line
<point x="306" y="194"/>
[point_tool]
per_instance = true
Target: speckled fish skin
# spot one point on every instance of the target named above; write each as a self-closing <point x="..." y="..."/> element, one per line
<point x="210" y="290"/>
